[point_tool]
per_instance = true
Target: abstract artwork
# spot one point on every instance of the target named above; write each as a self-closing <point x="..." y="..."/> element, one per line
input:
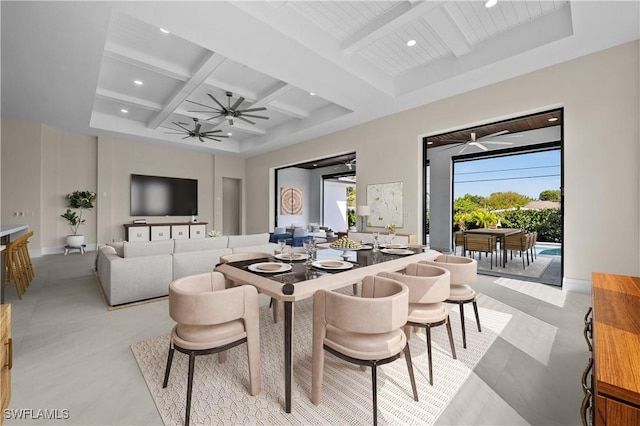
<point x="385" y="201"/>
<point x="290" y="201"/>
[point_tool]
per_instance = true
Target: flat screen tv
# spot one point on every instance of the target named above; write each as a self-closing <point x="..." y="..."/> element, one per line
<point x="163" y="196"/>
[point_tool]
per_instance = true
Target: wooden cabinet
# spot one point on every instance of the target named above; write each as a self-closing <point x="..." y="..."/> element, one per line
<point x="5" y="358"/>
<point x="616" y="349"/>
<point x="164" y="231"/>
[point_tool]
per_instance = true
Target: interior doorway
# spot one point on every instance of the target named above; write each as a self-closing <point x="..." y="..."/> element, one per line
<point x="231" y="206"/>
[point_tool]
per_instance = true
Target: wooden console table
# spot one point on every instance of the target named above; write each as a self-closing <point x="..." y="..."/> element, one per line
<point x="615" y="327"/>
<point x="164" y="231"/>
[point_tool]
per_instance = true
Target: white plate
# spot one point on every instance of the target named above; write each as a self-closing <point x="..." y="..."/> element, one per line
<point x="269" y="267"/>
<point x="394" y="246"/>
<point x="332" y="264"/>
<point x="398" y="251"/>
<point x="296" y="256"/>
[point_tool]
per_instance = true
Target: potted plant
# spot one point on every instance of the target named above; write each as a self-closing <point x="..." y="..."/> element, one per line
<point x="80" y="200"/>
<point x="329" y="232"/>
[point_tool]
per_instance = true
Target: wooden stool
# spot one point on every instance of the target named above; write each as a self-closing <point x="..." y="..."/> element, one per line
<point x="69" y="248"/>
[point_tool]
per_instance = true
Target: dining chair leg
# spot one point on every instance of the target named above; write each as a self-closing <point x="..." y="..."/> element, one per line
<point x="427" y="329"/>
<point x="464" y="333"/>
<point x="192" y="361"/>
<point x="475" y="308"/>
<point x="167" y="370"/>
<point x="407" y="357"/>
<point x="450" y="332"/>
<point x="374" y="388"/>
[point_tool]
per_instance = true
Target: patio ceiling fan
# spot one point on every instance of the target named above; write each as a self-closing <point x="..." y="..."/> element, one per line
<point x="480" y="142"/>
<point x="230" y="112"/>
<point x="195" y="132"/>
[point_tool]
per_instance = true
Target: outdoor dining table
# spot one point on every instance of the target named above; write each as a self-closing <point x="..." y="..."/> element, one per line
<point x="302" y="281"/>
<point x="500" y="234"/>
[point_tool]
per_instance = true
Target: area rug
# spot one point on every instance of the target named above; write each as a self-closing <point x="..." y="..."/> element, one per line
<point x="513" y="267"/>
<point x="220" y="391"/>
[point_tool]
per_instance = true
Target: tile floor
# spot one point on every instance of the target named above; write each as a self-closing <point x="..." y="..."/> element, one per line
<point x="70" y="353"/>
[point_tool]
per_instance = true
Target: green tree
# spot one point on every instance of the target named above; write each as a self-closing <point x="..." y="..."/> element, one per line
<point x="550" y="195"/>
<point x="468" y="203"/>
<point x="484" y="218"/>
<point x="506" y="200"/>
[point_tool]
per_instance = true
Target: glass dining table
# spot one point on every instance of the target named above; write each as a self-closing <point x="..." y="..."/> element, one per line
<point x="299" y="280"/>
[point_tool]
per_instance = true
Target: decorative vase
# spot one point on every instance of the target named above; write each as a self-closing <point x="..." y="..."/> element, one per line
<point x="194" y="218"/>
<point x="75" y="240"/>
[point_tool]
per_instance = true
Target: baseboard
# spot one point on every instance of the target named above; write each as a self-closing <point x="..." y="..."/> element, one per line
<point x="576" y="286"/>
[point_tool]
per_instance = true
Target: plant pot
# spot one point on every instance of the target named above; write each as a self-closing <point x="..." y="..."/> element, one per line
<point x="75" y="240"/>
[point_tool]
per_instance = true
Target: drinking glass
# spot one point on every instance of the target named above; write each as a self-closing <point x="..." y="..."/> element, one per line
<point x="283" y="244"/>
<point x="307" y="243"/>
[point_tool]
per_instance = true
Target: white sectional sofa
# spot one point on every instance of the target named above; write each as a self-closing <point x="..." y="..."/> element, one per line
<point x="135" y="271"/>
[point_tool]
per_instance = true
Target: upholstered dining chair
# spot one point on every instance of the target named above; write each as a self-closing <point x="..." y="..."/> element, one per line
<point x="520" y="243"/>
<point x="458" y="241"/>
<point x="464" y="272"/>
<point x="428" y="288"/>
<point x="239" y="257"/>
<point x="212" y="319"/>
<point x="366" y="331"/>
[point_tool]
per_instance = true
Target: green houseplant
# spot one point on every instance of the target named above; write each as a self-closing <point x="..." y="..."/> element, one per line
<point x="81" y="201"/>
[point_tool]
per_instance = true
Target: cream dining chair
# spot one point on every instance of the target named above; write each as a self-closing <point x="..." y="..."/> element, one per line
<point x="212" y="319"/>
<point x="366" y="331"/>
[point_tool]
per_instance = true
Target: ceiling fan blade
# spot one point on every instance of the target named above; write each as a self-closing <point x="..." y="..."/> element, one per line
<point x="202" y="112"/>
<point x="252" y="110"/>
<point x="186" y="137"/>
<point x="244" y="119"/>
<point x="181" y="126"/>
<point x="213" y="139"/>
<point x="207" y="135"/>
<point x="502" y="132"/>
<point x="498" y="142"/>
<point x="212" y="131"/>
<point x="254" y="116"/>
<point x="200" y="137"/>
<point x="479" y="145"/>
<point x="215" y="116"/>
<point x="216" y="101"/>
<point x="174" y="133"/>
<point x="198" y="103"/>
<point x="237" y="103"/>
<point x="463" y="148"/>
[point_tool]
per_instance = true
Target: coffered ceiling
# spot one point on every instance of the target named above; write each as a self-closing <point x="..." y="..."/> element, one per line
<point x="315" y="66"/>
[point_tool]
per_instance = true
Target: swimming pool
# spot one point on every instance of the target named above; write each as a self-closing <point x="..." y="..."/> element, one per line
<point x="549" y="249"/>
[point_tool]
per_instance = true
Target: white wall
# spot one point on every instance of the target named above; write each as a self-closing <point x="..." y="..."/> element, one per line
<point x="600" y="96"/>
<point x="295" y="178"/>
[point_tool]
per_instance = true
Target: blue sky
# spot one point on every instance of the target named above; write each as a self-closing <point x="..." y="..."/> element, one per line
<point x="526" y="174"/>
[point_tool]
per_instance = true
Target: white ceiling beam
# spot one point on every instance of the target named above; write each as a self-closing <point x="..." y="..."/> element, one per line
<point x="126" y="99"/>
<point x="268" y="98"/>
<point x="390" y="21"/>
<point x="141" y="59"/>
<point x="443" y="23"/>
<point x="211" y="62"/>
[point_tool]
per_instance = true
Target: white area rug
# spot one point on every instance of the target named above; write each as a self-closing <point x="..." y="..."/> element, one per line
<point x="220" y="394"/>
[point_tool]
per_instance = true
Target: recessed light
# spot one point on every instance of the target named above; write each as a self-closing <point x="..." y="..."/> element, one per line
<point x="553" y="119"/>
<point x="429" y="143"/>
<point x="138" y="82"/>
<point x="164" y="31"/>
<point x="312" y="94"/>
<point x="124" y="111"/>
<point x="411" y="43"/>
<point x="315" y="165"/>
<point x="490" y="3"/>
<point x="229" y="134"/>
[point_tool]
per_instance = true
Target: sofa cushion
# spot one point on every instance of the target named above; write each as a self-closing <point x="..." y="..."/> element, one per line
<point x="248" y="240"/>
<point x="118" y="246"/>
<point x="200" y="244"/>
<point x="261" y="248"/>
<point x="147" y="248"/>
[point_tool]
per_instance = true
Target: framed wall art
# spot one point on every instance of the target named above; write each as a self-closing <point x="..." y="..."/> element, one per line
<point x="291" y="201"/>
<point x="385" y="201"/>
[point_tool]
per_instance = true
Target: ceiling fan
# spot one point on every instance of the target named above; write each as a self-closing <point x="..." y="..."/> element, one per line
<point x="195" y="133"/>
<point x="351" y="164"/>
<point x="230" y="112"/>
<point x="479" y="142"/>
